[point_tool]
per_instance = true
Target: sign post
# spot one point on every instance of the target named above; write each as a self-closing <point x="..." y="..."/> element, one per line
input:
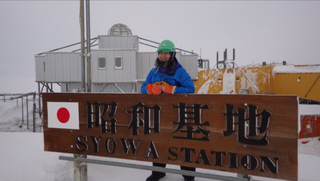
<point x="245" y="134"/>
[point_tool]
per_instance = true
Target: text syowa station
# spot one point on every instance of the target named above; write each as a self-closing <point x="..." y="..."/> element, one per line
<point x="248" y="134"/>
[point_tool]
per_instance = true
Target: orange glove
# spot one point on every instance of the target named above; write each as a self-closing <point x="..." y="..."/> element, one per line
<point x="154" y="89"/>
<point x="166" y="88"/>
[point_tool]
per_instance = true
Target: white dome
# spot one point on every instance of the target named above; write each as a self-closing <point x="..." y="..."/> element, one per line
<point x="119" y="29"/>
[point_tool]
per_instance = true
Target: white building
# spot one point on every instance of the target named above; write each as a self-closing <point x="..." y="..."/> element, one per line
<point x="116" y="65"/>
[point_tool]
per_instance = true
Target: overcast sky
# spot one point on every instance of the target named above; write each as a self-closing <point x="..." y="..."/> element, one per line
<point x="260" y="31"/>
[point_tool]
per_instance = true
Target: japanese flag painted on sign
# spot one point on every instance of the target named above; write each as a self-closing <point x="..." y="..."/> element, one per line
<point x="63" y="115"/>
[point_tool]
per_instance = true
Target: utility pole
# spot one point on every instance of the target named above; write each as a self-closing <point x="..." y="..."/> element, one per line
<point x="80" y="168"/>
<point x="89" y="78"/>
<point x="83" y="59"/>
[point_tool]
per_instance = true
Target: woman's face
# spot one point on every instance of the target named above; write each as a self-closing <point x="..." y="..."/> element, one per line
<point x="164" y="56"/>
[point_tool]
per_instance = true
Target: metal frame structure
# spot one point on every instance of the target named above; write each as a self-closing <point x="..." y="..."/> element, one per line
<point x="84" y="161"/>
<point x="25" y="97"/>
<point x="225" y="63"/>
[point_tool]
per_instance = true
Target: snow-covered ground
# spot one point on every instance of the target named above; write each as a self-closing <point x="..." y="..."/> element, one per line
<point x="23" y="157"/>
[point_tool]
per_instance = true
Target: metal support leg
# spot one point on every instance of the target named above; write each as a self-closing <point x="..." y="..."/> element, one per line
<point x="80" y="168"/>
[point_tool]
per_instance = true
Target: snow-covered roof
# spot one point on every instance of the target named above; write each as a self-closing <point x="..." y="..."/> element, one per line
<point x="296" y="69"/>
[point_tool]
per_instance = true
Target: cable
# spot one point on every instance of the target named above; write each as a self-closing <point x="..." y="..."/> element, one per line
<point x="253" y="85"/>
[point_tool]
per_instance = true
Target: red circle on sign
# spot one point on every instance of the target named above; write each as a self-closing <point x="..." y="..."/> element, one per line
<point x="63" y="115"/>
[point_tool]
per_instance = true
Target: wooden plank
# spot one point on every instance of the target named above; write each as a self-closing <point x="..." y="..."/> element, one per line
<point x="199" y="135"/>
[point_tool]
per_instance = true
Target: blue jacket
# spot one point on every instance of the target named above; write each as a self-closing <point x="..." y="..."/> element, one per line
<point x="181" y="79"/>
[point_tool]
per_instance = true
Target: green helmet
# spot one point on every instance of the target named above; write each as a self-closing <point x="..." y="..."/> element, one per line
<point x="166" y="46"/>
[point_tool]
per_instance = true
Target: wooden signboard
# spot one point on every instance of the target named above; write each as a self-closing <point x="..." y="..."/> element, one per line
<point x="246" y="134"/>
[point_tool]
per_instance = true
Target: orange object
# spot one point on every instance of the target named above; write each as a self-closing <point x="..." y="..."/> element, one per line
<point x="166" y="88"/>
<point x="310" y="126"/>
<point x="154" y="89"/>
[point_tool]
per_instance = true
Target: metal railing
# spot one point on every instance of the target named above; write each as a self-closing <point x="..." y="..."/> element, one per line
<point x="152" y="168"/>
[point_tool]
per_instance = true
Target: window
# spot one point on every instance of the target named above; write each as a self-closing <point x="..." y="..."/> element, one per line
<point x="115" y="32"/>
<point x="118" y="63"/>
<point x="67" y="87"/>
<point x="124" y="32"/>
<point x="102" y="63"/>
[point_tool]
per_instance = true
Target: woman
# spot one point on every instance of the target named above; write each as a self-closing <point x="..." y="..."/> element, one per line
<point x="167" y="77"/>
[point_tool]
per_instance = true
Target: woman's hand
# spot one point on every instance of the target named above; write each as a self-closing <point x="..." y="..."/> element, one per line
<point x="166" y="88"/>
<point x="154" y="89"/>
